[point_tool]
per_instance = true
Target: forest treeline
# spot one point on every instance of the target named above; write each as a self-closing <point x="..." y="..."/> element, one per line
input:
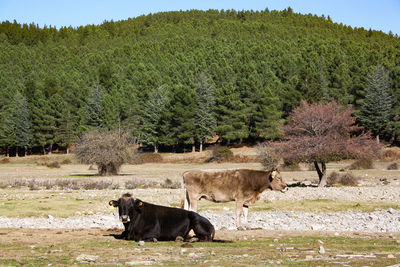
<point x="175" y="79"/>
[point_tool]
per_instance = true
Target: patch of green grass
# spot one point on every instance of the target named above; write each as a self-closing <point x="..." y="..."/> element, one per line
<point x="57" y="206"/>
<point x="284" y="250"/>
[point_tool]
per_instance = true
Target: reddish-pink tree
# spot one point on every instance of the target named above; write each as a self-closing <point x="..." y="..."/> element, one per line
<point x="319" y="133"/>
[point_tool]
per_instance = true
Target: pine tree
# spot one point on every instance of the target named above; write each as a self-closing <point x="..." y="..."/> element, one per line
<point x="93" y="111"/>
<point x="66" y="132"/>
<point x="205" y="121"/>
<point x="57" y="110"/>
<point x="375" y="110"/>
<point x="180" y="116"/>
<point x="395" y="92"/>
<point x="151" y="131"/>
<point x="43" y="124"/>
<point x="23" y="131"/>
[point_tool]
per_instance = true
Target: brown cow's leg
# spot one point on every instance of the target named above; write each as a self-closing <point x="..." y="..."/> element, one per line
<point x="246" y="213"/>
<point x="239" y="211"/>
<point x="193" y="202"/>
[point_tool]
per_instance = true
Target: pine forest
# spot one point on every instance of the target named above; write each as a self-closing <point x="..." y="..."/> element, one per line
<point x="175" y="80"/>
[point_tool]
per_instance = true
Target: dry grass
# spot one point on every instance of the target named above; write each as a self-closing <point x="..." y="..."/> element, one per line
<point x="361" y="164"/>
<point x="346" y="179"/>
<point x="393" y="166"/>
<point x="391" y="154"/>
<point x="61" y="247"/>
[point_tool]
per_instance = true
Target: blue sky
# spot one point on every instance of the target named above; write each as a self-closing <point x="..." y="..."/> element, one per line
<point x="381" y="15"/>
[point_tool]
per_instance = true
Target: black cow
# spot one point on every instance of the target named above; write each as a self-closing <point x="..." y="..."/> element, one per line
<point x="151" y="222"/>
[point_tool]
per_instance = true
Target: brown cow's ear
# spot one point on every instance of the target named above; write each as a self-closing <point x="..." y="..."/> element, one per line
<point x="113" y="203"/>
<point x="273" y="174"/>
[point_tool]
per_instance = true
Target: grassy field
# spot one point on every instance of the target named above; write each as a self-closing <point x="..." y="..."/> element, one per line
<point x="35" y="247"/>
<point x="249" y="248"/>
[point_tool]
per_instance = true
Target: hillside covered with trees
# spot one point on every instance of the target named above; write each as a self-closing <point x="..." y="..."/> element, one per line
<point x="175" y="79"/>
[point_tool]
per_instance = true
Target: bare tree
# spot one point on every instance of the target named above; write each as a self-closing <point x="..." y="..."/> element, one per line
<point x="319" y="133"/>
<point x="106" y="149"/>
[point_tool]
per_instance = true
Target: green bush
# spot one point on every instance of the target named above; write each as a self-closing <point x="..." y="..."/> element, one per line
<point x="221" y="153"/>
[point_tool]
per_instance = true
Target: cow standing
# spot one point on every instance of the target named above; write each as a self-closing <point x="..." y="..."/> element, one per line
<point x="146" y="221"/>
<point x="243" y="186"/>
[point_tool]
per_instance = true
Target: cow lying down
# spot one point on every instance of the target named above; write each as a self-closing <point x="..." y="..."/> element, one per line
<point x="149" y="222"/>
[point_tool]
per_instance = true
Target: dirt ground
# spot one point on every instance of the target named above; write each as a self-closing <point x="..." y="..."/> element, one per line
<point x="37" y="247"/>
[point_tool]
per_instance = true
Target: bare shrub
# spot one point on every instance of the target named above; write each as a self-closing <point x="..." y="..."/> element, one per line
<point x="221" y="153"/>
<point x="53" y="164"/>
<point x="99" y="185"/>
<point x="5" y="161"/>
<point x="66" y="161"/>
<point x="392" y="166"/>
<point x="139" y="183"/>
<point x="33" y="185"/>
<point x="391" y="154"/>
<point x="290" y="166"/>
<point x="150" y="158"/>
<point x="349" y="179"/>
<point x="346" y="179"/>
<point x="168" y="183"/>
<point x="106" y="149"/>
<point x="267" y="155"/>
<point x="361" y="164"/>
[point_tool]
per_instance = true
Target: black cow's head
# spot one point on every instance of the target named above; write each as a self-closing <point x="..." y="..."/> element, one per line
<point x="125" y="203"/>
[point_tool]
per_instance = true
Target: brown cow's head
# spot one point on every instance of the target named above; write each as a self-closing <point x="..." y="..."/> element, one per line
<point x="276" y="181"/>
<point x="124" y="204"/>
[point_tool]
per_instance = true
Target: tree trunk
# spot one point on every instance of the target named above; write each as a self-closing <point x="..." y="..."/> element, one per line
<point x="67" y="149"/>
<point x="108" y="170"/>
<point x="201" y="146"/>
<point x="321" y="173"/>
<point x="8" y="151"/>
<point x="377" y="138"/>
<point x="26" y="151"/>
<point x="393" y="138"/>
<point x="44" y="150"/>
<point x="16" y="152"/>
<point x="193" y="148"/>
<point x="50" y="148"/>
<point x="155" y="148"/>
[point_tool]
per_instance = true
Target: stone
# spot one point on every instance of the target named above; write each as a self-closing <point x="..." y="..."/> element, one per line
<point x="141" y="243"/>
<point x="321" y="250"/>
<point x="87" y="258"/>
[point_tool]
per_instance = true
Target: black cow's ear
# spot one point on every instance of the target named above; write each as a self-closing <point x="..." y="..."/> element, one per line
<point x="138" y="205"/>
<point x="113" y="203"/>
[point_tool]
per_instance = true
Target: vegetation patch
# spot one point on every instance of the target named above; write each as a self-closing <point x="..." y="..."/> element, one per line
<point x="266" y="248"/>
<point x="346" y="179"/>
<point x="314" y="206"/>
<point x="393" y="166"/>
<point x="221" y="154"/>
<point x="361" y="164"/>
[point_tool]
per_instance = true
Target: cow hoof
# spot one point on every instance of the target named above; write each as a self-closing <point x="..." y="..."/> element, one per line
<point x="179" y="239"/>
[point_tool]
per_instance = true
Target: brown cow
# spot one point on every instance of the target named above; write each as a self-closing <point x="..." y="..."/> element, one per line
<point x="242" y="185"/>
